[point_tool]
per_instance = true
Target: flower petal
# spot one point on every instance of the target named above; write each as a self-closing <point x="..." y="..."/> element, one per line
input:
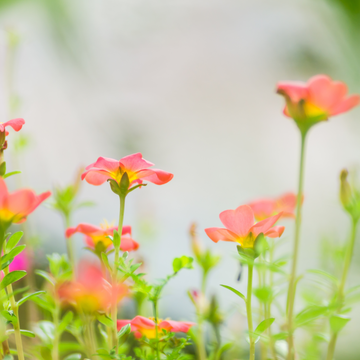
<point x="346" y="104"/>
<point x="16" y="124"/>
<point x="275" y="231"/>
<point x="263" y="208"/>
<point x="292" y="90"/>
<point x="135" y="162"/>
<point x="128" y="244"/>
<point x="265" y="225"/>
<point x="239" y="220"/>
<point x="176" y="326"/>
<point x="96" y="176"/>
<point x="83" y="229"/>
<point x="219" y="234"/>
<point x="103" y="163"/>
<point x="158" y="177"/>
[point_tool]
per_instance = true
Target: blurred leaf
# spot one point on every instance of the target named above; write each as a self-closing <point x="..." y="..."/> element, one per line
<point x="11" y="174"/>
<point x="309" y="314"/>
<point x="337" y="322"/>
<point x="106" y="320"/>
<point x="263" y="326"/>
<point x="124" y="331"/>
<point x="12" y="277"/>
<point x="46" y="276"/>
<point x="65" y="321"/>
<point x="264" y="294"/>
<point x="30" y="296"/>
<point x="238" y="293"/>
<point x="182" y="262"/>
<point x="27" y="333"/>
<point x="73" y="357"/>
<point x="13" y="241"/>
<point x="14" y="252"/>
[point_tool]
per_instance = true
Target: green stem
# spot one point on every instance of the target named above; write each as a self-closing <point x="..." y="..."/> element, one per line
<point x="292" y="282"/>
<point x="348" y="257"/>
<point x="15" y="309"/>
<point x="55" y="349"/>
<point x="249" y="312"/>
<point x="200" y="337"/>
<point x="156" y="328"/>
<point x="262" y="310"/>
<point x="116" y="261"/>
<point x="70" y="246"/>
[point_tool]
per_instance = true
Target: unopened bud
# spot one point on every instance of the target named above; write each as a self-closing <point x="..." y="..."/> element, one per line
<point x="345" y="190"/>
<point x="195" y="242"/>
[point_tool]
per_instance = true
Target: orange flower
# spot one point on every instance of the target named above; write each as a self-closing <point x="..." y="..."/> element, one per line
<point x="90" y="292"/>
<point x="143" y="326"/>
<point x="265" y="208"/>
<point x="15" y="207"/>
<point x="241" y="228"/>
<point x="95" y="235"/>
<point x="315" y="101"/>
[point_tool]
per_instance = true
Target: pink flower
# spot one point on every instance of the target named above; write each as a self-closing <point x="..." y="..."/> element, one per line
<point x="90" y="292"/>
<point x="265" y="208"/>
<point x="20" y="262"/>
<point x="94" y="235"/>
<point x="241" y="228"/>
<point x="143" y="326"/>
<point x="316" y="100"/>
<point x="134" y="165"/>
<point x="16" y="124"/>
<point x="15" y="207"/>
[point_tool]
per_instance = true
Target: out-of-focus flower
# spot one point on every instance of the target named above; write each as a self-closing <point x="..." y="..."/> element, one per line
<point x="95" y="235"/>
<point x="16" y="124"/>
<point x="240" y="227"/>
<point x="315" y="101"/>
<point x="20" y="262"/>
<point x="142" y="326"/>
<point x="199" y="300"/>
<point x="90" y="292"/>
<point x="134" y="165"/>
<point x="265" y="208"/>
<point x="15" y="207"/>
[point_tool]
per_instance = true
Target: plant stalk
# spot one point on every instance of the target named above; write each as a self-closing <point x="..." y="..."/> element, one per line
<point x="348" y="258"/>
<point x="292" y="282"/>
<point x="249" y="312"/>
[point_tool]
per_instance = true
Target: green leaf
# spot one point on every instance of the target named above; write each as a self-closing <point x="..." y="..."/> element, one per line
<point x="264" y="294"/>
<point x="116" y="239"/>
<point x="265" y="324"/>
<point x="238" y="293"/>
<point x="182" y="262"/>
<point x="5" y="265"/>
<point x="124" y="331"/>
<point x="281" y="335"/>
<point x="8" y="357"/>
<point x="46" y="276"/>
<point x="12" y="277"/>
<point x="65" y="321"/>
<point x="27" y="333"/>
<point x="105" y="260"/>
<point x="134" y="267"/>
<point x="14" y="252"/>
<point x="11" y="174"/>
<point x="324" y="275"/>
<point x="309" y="314"/>
<point x="2" y="169"/>
<point x="28" y="297"/>
<point x="9" y="316"/>
<point x="337" y="322"/>
<point x="104" y="319"/>
<point x="13" y="241"/>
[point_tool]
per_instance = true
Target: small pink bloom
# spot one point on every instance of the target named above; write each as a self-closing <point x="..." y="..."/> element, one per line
<point x="134" y="165"/>
<point x="90" y="291"/>
<point x="15" y="207"/>
<point x="16" y="124"/>
<point x="316" y="100"/>
<point x="265" y="208"/>
<point x="94" y="234"/>
<point x="241" y="228"/>
<point x="20" y="262"/>
<point x="143" y="326"/>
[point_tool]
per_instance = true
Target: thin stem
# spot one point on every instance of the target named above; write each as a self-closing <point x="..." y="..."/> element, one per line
<point x="348" y="257"/>
<point x="249" y="312"/>
<point x="55" y="349"/>
<point x="292" y="283"/>
<point x="262" y="309"/>
<point x="200" y="338"/>
<point x="156" y="328"/>
<point x="70" y="246"/>
<point x="115" y="271"/>
<point x="15" y="309"/>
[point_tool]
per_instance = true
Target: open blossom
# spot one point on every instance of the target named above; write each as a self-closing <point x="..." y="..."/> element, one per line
<point x="90" y="292"/>
<point x="142" y="326"/>
<point x="316" y="100"/>
<point x="15" y="207"/>
<point x="241" y="228"/>
<point x="134" y="165"/>
<point x="94" y="235"/>
<point x="264" y="208"/>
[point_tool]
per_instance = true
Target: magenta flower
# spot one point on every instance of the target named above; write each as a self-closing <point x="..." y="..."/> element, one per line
<point x="240" y="227"/>
<point x="134" y="165"/>
<point x="16" y="124"/>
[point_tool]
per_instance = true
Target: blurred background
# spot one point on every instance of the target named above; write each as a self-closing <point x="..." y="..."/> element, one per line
<point x="190" y="84"/>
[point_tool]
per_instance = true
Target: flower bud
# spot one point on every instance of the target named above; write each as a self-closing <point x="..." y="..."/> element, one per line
<point x="345" y="190"/>
<point x="195" y="242"/>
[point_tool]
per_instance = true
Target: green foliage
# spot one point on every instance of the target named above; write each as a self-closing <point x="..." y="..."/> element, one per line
<point x="238" y="293"/>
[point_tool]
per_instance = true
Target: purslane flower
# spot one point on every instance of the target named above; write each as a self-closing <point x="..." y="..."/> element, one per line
<point x="315" y="101"/>
<point x="16" y="206"/>
<point x="95" y="235"/>
<point x="240" y="227"/>
<point x="134" y="165"/>
<point x="16" y="124"/>
<point x="264" y="208"/>
<point x="90" y="292"/>
<point x="142" y="326"/>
